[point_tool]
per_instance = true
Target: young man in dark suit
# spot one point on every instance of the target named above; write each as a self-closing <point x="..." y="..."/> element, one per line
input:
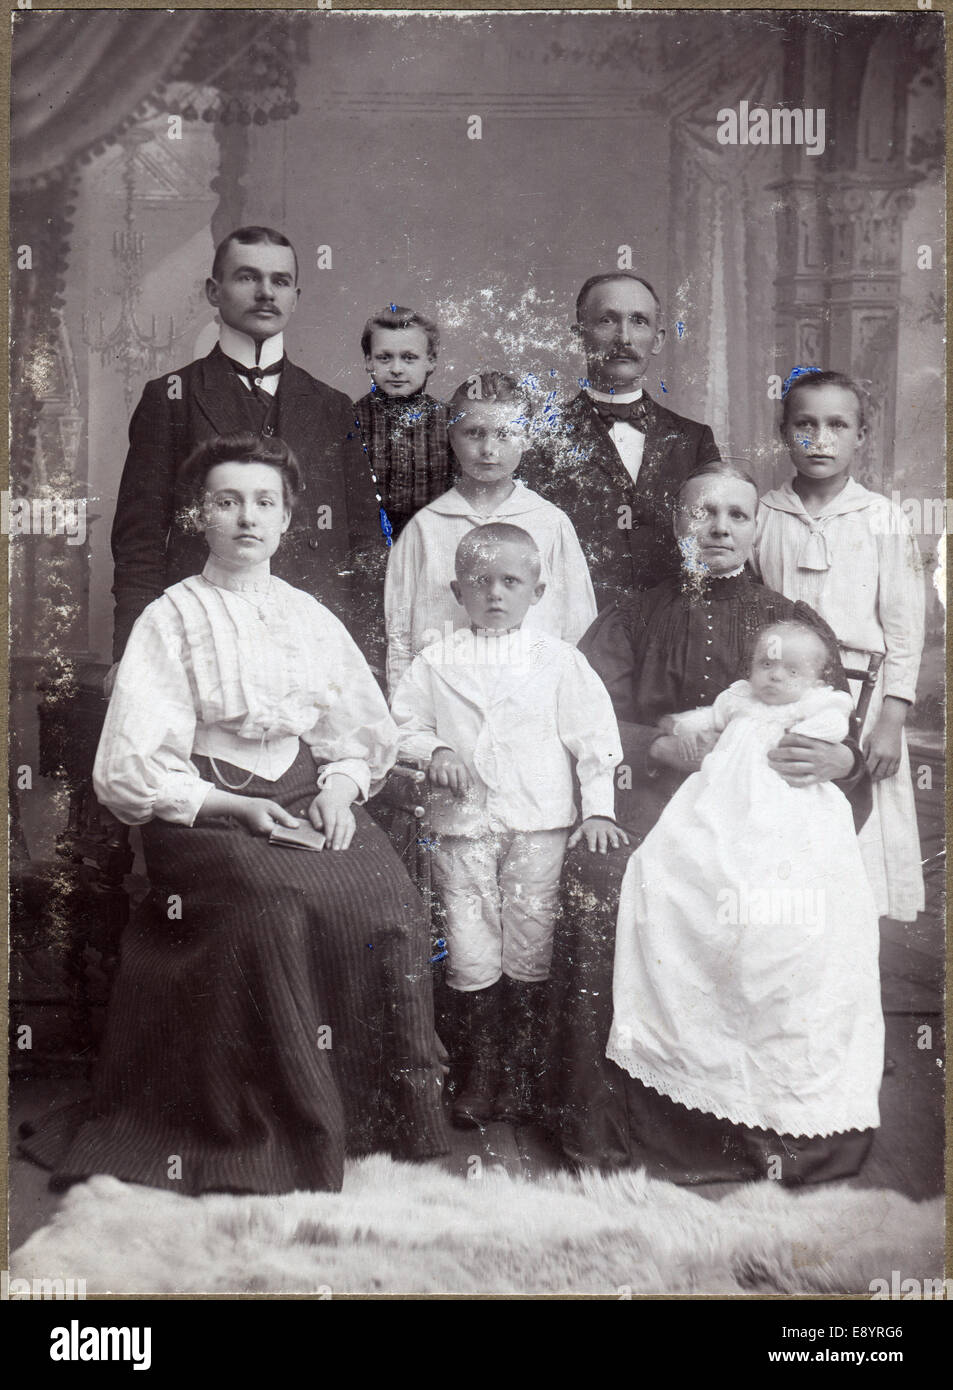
<point x="613" y="459"/>
<point x="247" y="383"/>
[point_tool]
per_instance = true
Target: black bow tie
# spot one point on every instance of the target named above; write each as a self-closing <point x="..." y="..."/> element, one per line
<point x="253" y="374"/>
<point x="634" y="413"/>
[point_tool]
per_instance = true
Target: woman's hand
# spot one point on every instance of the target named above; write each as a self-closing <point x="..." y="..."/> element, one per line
<point x="804" y="761"/>
<point x="261" y="816"/>
<point x="447" y="770"/>
<point x="600" y="834"/>
<point x="256" y="813"/>
<point x="330" y="811"/>
<point x="882" y="746"/>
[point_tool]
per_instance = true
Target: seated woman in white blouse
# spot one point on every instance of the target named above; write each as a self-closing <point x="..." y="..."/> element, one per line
<point x="273" y="1007"/>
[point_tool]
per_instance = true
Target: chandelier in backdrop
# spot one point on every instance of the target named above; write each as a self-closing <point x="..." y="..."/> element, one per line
<point x="252" y="81"/>
<point x="135" y="351"/>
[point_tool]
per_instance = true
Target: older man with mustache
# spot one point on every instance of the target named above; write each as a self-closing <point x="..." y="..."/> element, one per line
<point x="614" y="459"/>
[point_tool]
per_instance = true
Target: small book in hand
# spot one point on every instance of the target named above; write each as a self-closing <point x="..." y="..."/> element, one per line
<point x="303" y="836"/>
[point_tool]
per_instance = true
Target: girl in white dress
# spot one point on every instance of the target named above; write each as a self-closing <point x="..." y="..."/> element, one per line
<point x="851" y="555"/>
<point x="746" y="979"/>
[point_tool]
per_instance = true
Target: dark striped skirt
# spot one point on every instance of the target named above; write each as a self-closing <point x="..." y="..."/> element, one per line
<point x="272" y="1012"/>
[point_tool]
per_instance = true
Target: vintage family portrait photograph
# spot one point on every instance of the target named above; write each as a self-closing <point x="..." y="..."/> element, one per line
<point x="476" y="526"/>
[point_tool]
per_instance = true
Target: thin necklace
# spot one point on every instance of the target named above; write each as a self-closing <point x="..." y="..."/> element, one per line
<point x="262" y="599"/>
<point x="240" y="786"/>
<point x="264" y="592"/>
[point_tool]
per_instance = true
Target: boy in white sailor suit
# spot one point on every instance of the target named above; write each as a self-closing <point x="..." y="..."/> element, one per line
<point x="502" y="714"/>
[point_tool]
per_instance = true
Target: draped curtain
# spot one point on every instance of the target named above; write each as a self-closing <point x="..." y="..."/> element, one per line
<point x="80" y="78"/>
<point x="723" y="266"/>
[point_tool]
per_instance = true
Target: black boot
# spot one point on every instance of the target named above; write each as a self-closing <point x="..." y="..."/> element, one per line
<point x="473" y="1108"/>
<point x="521" y="1060"/>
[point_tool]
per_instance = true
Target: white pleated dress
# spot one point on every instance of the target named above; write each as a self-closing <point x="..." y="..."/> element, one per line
<point x="746" y="980"/>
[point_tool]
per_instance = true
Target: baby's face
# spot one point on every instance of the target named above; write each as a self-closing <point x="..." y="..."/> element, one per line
<point x="497" y="586"/>
<point x="785" y="668"/>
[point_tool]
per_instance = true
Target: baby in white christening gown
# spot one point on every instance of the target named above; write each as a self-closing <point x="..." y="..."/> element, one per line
<point x="746" y="981"/>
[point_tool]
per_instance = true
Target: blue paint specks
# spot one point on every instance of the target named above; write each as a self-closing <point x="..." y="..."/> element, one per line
<point x="550" y="412"/>
<point x="386" y="527"/>
<point x="393" y="308"/>
<point x="583" y="381"/>
<point x="441" y="946"/>
<point x="680" y="328"/>
<point x="663" y="386"/>
<point x="795" y="373"/>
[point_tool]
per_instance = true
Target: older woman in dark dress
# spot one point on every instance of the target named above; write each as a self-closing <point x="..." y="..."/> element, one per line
<point x="673" y="648"/>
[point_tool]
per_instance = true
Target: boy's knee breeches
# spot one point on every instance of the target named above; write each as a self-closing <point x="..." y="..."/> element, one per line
<point x="500" y="892"/>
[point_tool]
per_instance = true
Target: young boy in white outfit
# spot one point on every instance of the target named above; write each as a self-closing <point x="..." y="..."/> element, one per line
<point x="502" y="713"/>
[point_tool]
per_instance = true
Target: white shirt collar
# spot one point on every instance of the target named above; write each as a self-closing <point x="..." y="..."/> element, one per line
<point x="616" y="397"/>
<point x="453" y="503"/>
<point x="241" y="348"/>
<point x="852" y="497"/>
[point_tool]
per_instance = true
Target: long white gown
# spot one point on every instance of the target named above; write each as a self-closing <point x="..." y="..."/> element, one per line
<point x="746" y="979"/>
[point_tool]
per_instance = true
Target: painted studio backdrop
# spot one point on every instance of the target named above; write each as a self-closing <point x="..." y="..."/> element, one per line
<point x="777" y="176"/>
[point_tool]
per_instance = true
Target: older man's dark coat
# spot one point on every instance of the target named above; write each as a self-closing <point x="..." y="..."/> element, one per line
<point x="625" y="528"/>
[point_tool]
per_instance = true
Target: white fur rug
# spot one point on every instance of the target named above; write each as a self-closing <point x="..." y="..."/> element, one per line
<point x="399" y="1228"/>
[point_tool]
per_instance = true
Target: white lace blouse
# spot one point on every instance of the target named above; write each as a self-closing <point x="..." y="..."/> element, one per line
<point x="240" y="672"/>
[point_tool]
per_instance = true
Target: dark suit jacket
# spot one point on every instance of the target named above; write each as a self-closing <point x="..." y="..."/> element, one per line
<point x="625" y="529"/>
<point x="153" y="546"/>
